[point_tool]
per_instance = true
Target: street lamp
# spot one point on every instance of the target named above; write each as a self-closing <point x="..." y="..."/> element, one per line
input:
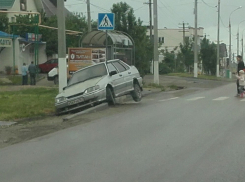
<point x="230" y="34"/>
<point x="238" y="37"/>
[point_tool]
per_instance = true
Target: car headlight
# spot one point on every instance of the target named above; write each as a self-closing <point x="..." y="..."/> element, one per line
<point x="91" y="89"/>
<point x="60" y="99"/>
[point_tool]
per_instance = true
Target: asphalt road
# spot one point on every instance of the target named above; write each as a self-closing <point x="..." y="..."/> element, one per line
<point x="195" y="138"/>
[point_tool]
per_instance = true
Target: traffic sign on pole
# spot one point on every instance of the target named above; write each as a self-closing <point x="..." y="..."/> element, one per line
<point x="106" y="21"/>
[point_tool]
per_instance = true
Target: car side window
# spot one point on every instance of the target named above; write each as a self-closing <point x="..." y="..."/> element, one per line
<point x="125" y="65"/>
<point x="56" y="61"/>
<point x="119" y="66"/>
<point x="111" y="68"/>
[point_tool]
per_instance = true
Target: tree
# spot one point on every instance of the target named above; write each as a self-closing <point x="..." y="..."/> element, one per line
<point x="126" y="21"/>
<point x="208" y="56"/>
<point x="76" y="22"/>
<point x="186" y="53"/>
<point x="4" y="22"/>
<point x="169" y="63"/>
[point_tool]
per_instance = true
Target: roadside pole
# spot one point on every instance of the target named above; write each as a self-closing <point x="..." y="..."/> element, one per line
<point x="218" y="43"/>
<point x="195" y="47"/>
<point x="106" y="46"/>
<point x="61" y="46"/>
<point x="14" y="49"/>
<point x="156" y="53"/>
<point x="89" y="16"/>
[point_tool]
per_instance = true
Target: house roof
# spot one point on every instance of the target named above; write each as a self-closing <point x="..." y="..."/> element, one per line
<point x="6" y="4"/>
<point x="50" y="9"/>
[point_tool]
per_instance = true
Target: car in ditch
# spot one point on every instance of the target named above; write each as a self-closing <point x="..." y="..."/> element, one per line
<point x="99" y="83"/>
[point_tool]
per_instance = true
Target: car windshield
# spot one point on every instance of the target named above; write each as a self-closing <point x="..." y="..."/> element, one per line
<point x="88" y="73"/>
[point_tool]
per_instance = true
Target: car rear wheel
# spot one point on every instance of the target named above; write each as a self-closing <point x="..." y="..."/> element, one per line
<point x="110" y="97"/>
<point x="136" y="93"/>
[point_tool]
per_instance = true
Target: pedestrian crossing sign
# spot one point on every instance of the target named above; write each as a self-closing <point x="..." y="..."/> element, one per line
<point x="106" y="21"/>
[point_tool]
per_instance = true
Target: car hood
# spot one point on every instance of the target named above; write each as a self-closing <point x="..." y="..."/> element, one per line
<point x="79" y="88"/>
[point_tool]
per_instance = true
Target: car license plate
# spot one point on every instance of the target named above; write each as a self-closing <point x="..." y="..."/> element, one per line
<point x="75" y="101"/>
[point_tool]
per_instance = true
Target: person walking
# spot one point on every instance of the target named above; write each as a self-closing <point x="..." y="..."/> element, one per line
<point x="32" y="71"/>
<point x="24" y="74"/>
<point x="240" y="66"/>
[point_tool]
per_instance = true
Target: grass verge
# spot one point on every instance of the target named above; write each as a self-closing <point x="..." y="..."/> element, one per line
<point x="26" y="103"/>
<point x="15" y="80"/>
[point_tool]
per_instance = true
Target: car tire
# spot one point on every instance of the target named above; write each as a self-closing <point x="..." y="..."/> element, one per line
<point x="56" y="80"/>
<point x="110" y="97"/>
<point x="136" y="93"/>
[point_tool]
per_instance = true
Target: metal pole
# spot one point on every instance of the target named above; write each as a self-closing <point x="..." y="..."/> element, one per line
<point x="89" y="16"/>
<point x="218" y="43"/>
<point x="61" y="46"/>
<point x="106" y="45"/>
<point x="156" y="53"/>
<point x="238" y="41"/>
<point x="195" y="47"/>
<point x="242" y="47"/>
<point x="230" y="43"/>
<point x="183" y="33"/>
<point x="14" y="49"/>
<point x="150" y="14"/>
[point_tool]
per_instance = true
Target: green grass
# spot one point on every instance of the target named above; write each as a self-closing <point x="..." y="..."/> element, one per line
<point x="153" y="85"/>
<point x="16" y="80"/>
<point x="27" y="103"/>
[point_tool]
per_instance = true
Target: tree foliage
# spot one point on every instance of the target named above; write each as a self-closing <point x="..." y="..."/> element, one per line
<point x="208" y="55"/>
<point x="4" y="23"/>
<point x="126" y="21"/>
<point x="26" y="24"/>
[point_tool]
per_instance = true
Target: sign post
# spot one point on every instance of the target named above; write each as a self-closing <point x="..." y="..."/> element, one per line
<point x="106" y="21"/>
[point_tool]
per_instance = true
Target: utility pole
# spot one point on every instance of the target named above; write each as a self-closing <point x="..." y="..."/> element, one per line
<point x="150" y="17"/>
<point x="89" y="16"/>
<point x="61" y="46"/>
<point x="156" y="53"/>
<point x="238" y="43"/>
<point x="242" y="47"/>
<point x="218" y="42"/>
<point x="195" y="47"/>
<point x="183" y="26"/>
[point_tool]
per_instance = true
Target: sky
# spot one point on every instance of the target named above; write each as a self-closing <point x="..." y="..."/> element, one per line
<point x="171" y="13"/>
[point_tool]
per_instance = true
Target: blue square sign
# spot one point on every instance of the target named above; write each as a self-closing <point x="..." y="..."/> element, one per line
<point x="106" y="21"/>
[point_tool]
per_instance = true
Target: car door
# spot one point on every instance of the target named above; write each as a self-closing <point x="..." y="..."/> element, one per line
<point x="128" y="75"/>
<point x="115" y="80"/>
<point x="123" y="72"/>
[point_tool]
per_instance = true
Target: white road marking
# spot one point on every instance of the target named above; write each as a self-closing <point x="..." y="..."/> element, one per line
<point x="221" y="98"/>
<point x="243" y="100"/>
<point x="195" y="98"/>
<point x="168" y="99"/>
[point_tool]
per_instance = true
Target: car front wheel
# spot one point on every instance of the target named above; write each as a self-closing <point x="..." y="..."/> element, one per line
<point x="136" y="93"/>
<point x="110" y="97"/>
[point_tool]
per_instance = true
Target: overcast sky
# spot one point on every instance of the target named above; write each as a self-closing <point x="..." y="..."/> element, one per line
<point x="173" y="12"/>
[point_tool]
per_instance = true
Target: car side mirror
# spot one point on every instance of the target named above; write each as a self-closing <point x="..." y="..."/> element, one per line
<point x="113" y="73"/>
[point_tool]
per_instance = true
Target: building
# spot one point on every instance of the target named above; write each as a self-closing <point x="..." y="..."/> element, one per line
<point x="49" y="7"/>
<point x="171" y="38"/>
<point x="15" y="50"/>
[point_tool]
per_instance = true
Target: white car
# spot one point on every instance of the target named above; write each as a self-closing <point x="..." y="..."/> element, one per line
<point x="99" y="83"/>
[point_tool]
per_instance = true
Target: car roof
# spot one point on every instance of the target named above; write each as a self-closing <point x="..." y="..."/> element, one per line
<point x="109" y="61"/>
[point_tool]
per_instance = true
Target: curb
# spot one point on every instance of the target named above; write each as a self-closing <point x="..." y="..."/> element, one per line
<point x="90" y="110"/>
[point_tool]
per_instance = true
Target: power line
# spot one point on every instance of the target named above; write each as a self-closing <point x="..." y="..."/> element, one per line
<point x="207" y="4"/>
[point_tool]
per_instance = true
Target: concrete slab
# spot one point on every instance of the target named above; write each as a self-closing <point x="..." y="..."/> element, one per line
<point x="6" y="123"/>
